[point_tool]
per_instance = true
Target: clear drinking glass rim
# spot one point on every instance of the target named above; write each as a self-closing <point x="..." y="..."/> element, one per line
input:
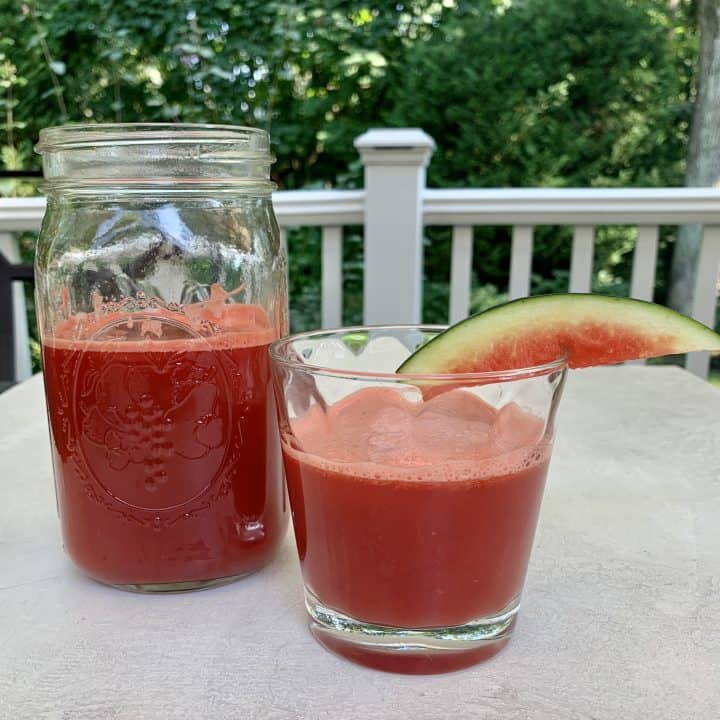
<point x="492" y="375"/>
<point x="79" y="135"/>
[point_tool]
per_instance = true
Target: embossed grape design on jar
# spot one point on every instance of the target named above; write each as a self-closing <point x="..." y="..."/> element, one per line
<point x="160" y="283"/>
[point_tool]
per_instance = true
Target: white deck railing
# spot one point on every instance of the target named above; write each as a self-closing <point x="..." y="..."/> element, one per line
<point x="396" y="205"/>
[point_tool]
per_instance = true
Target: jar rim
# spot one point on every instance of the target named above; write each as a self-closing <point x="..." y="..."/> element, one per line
<point x="82" y="135"/>
<point x="81" y="159"/>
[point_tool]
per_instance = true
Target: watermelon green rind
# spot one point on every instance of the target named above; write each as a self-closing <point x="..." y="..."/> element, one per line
<point x="590" y="329"/>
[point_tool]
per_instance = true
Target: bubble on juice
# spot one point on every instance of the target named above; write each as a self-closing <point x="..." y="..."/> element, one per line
<point x="460" y="405"/>
<point x="515" y="428"/>
<point x="452" y="437"/>
<point x="390" y="435"/>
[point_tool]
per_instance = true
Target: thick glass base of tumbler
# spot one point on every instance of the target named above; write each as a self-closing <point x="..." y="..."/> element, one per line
<point x="414" y="651"/>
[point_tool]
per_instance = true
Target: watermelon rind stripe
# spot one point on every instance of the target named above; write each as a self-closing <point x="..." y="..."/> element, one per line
<point x="462" y="344"/>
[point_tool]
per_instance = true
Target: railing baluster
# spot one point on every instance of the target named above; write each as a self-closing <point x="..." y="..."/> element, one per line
<point x="642" y="285"/>
<point x="581" y="262"/>
<point x="331" y="276"/>
<point x="521" y="261"/>
<point x="705" y="298"/>
<point x="460" y="272"/>
<point x="7" y="337"/>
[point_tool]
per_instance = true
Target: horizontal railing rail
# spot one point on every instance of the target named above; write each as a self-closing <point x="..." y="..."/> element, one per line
<point x="571" y="206"/>
<point x="461" y="206"/>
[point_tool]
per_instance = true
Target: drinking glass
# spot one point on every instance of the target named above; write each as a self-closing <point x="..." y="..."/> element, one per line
<point x="414" y="498"/>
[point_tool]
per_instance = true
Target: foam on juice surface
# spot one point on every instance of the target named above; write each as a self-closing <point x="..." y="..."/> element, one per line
<point x="378" y="434"/>
<point x="213" y="324"/>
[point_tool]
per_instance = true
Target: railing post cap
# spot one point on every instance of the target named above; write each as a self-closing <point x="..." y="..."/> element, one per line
<point x="395" y="138"/>
<point x="395" y="146"/>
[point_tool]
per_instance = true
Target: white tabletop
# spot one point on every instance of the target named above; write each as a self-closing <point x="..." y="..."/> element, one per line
<point x="620" y="616"/>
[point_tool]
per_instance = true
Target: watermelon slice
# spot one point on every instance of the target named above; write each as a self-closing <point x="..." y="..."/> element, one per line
<point x="588" y="329"/>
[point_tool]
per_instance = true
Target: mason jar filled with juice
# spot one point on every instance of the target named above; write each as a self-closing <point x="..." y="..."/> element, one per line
<point x="160" y="283"/>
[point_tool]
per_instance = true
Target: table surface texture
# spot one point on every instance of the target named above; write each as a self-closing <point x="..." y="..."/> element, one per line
<point x="620" y="615"/>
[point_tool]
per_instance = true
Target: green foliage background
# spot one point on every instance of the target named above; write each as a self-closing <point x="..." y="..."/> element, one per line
<point x="515" y="92"/>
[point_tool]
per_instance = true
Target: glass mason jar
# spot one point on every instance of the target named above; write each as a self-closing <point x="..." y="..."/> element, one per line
<point x="160" y="283"/>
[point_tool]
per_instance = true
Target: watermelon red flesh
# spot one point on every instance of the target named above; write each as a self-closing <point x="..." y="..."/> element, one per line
<point x="588" y="329"/>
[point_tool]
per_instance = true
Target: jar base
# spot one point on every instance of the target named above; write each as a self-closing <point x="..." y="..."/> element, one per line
<point x="429" y="650"/>
<point x="179" y="587"/>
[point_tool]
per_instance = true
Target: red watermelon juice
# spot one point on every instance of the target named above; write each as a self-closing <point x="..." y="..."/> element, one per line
<point x="415" y="514"/>
<point x="164" y="445"/>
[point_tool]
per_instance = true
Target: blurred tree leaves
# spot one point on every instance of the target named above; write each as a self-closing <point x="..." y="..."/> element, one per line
<point x="315" y="74"/>
<point x="515" y="93"/>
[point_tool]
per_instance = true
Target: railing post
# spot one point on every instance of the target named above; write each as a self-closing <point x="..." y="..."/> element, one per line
<point x="395" y="162"/>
